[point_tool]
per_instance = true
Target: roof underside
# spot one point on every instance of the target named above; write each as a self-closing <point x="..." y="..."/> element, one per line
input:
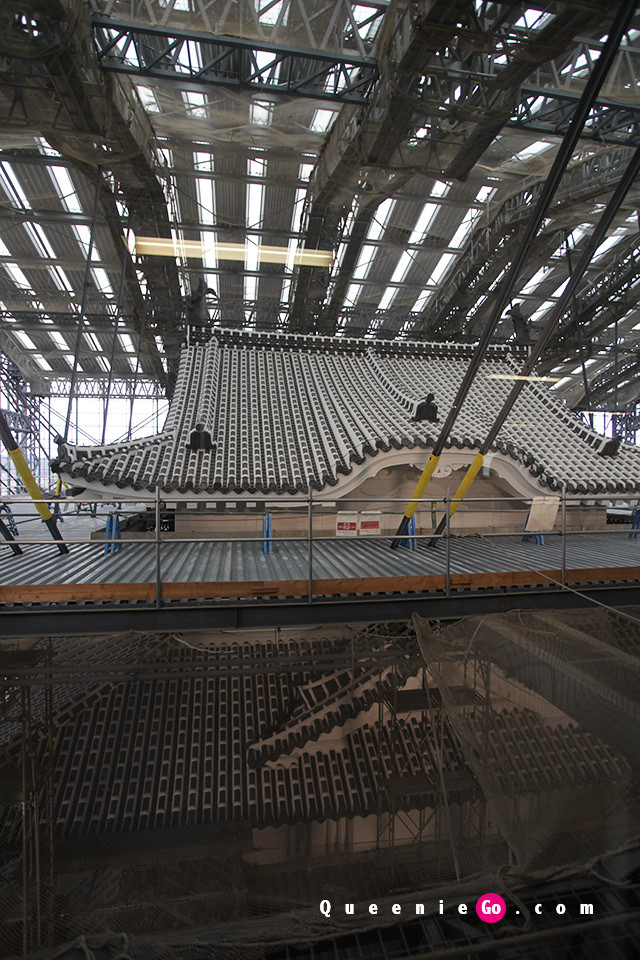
<point x="409" y="141"/>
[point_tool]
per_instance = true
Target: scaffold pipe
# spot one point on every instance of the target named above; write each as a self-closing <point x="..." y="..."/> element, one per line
<point x="621" y="21"/>
<point x="29" y="482"/>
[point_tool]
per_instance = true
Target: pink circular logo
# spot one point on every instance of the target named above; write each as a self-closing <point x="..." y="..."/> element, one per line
<point x="490" y="907"/>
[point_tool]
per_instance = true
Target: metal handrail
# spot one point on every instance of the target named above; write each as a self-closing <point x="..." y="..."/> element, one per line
<point x="310" y="502"/>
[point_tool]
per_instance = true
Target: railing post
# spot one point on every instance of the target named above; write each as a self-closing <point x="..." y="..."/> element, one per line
<point x="563" y="534"/>
<point x="158" y="587"/>
<point x="310" y="542"/>
<point x="448" y="544"/>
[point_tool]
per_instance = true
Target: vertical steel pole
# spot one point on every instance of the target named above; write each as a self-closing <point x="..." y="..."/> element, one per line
<point x="563" y="534"/>
<point x="310" y="542"/>
<point x="113" y="346"/>
<point x="158" y="589"/>
<point x="448" y="516"/>
<point x="83" y="304"/>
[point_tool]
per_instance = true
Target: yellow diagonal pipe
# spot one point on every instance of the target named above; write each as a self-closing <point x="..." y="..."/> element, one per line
<point x="422" y="484"/>
<point x="467" y="480"/>
<point x="30" y="485"/>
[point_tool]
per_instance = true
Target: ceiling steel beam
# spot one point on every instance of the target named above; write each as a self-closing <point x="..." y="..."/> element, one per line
<point x="490" y="244"/>
<point x="340" y="26"/>
<point x="147" y="51"/>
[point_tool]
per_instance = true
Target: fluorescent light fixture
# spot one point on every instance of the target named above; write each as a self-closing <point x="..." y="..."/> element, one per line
<point x="165" y="247"/>
<point x="513" y="376"/>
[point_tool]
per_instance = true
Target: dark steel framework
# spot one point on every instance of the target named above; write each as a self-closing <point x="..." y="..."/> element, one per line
<point x="188" y="56"/>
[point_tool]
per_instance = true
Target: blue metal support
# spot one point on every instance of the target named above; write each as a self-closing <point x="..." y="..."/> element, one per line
<point x="635" y="523"/>
<point x="111" y="533"/>
<point x="267" y="541"/>
<point x="534" y="535"/>
<point x="411" y="542"/>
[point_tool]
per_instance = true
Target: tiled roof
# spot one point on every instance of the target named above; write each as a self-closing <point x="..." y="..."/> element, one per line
<point x="178" y="750"/>
<point x="272" y="414"/>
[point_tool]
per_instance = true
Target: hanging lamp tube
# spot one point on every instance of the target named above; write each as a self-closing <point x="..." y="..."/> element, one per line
<point x="29" y="482"/>
<point x="590" y="93"/>
<point x="631" y="172"/>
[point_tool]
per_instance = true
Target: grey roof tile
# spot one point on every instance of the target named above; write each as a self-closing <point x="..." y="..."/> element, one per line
<point x="285" y="412"/>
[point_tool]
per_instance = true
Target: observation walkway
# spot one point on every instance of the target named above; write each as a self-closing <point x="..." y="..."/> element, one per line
<point x="183" y="584"/>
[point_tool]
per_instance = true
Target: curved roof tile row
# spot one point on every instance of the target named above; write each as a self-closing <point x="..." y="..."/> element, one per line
<point x="285" y="412"/>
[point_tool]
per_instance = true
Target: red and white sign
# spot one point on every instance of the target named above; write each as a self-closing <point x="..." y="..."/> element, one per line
<point x="346" y="523"/>
<point x="369" y="523"/>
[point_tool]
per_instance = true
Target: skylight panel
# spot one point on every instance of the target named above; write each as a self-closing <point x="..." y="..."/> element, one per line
<point x="368" y="20"/>
<point x="471" y="218"/>
<point x="101" y="280"/>
<point x="365" y="259"/>
<point x="65" y="189"/>
<point x="422" y="301"/>
<point x="14" y="270"/>
<point x="83" y="236"/>
<point x="189" y="58"/>
<point x="148" y="98"/>
<point x="322" y="120"/>
<point x="458" y="239"/>
<point x="485" y="194"/>
<point x="93" y="342"/>
<point x="46" y="149"/>
<point x="533" y="19"/>
<point x="203" y="162"/>
<point x="18" y="276"/>
<point x="60" y="279"/>
<point x="442" y="267"/>
<point x="102" y="363"/>
<point x="39" y="240"/>
<point x="269" y="11"/>
<point x="606" y="245"/>
<point x="380" y="220"/>
<point x="24" y="339"/>
<point x="387" y="298"/>
<point x="542" y="309"/>
<point x="261" y="113"/>
<point x="196" y="103"/>
<point x="533" y="150"/>
<point x="402" y="267"/>
<point x="535" y="281"/>
<point x="59" y="340"/>
<point x="254" y="214"/>
<point x="12" y="188"/>
<point x="353" y="292"/>
<point x="42" y="363"/>
<point x="419" y="232"/>
<point x="574" y="238"/>
<point x="251" y="263"/>
<point x="126" y="343"/>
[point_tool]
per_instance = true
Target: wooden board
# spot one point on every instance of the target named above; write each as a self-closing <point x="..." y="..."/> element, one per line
<point x="270" y="589"/>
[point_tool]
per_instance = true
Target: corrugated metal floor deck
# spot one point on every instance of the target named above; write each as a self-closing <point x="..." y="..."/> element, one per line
<point x="354" y="566"/>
